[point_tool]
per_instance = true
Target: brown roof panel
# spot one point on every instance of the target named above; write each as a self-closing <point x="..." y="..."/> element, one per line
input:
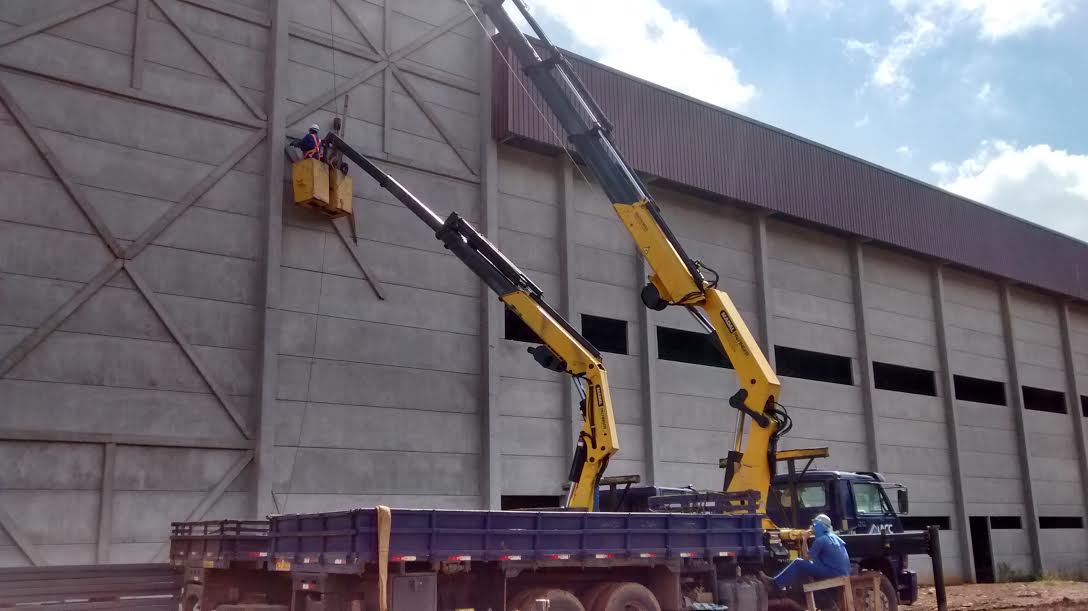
<point x="703" y="148"/>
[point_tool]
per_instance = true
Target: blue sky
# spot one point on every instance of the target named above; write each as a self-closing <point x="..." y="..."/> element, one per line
<point x="988" y="98"/>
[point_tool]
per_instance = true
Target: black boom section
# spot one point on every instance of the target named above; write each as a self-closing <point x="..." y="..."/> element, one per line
<point x="464" y="241"/>
<point x="581" y="117"/>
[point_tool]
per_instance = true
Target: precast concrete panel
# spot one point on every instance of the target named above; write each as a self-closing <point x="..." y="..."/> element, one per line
<point x="219" y="350"/>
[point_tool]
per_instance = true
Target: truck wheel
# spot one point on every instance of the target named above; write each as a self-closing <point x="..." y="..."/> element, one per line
<point x="558" y="600"/>
<point x="591" y="596"/>
<point x="627" y="596"/>
<point x="887" y="599"/>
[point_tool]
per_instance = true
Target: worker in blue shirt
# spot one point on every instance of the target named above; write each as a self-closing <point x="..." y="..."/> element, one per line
<point x="310" y="144"/>
<point x="827" y="557"/>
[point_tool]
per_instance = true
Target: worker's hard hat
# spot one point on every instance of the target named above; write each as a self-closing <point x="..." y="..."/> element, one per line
<point x="822" y="519"/>
<point x="315" y="128"/>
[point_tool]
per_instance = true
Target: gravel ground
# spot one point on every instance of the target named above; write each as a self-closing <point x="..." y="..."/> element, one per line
<point x="1051" y="595"/>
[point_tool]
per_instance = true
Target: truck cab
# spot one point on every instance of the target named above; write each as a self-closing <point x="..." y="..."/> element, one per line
<point x="858" y="505"/>
<point x="855" y="502"/>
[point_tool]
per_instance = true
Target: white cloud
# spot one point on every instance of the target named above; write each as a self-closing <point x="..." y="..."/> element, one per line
<point x="927" y="24"/>
<point x="941" y="168"/>
<point x="862" y="122"/>
<point x="985" y="93"/>
<point x="1044" y="185"/>
<point x="922" y="35"/>
<point x="781" y="6"/>
<point x="822" y="8"/>
<point x="645" y="39"/>
<point x="905" y="151"/>
<point x="868" y="48"/>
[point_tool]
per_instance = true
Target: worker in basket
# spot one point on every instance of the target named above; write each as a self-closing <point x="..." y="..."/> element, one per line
<point x="310" y="144"/>
<point x="827" y="558"/>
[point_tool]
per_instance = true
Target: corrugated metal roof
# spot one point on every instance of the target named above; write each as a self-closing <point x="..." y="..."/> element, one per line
<point x="708" y="149"/>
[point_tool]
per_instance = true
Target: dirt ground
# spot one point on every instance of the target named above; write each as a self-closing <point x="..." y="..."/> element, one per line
<point x="1047" y="595"/>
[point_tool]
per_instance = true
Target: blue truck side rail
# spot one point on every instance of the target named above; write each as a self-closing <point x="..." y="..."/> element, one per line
<point x="350" y="537"/>
<point x="218" y="543"/>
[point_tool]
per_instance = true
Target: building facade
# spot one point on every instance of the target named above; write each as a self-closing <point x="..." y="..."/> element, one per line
<point x="177" y="341"/>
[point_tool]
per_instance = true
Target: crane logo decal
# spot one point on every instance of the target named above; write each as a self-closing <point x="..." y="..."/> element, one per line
<point x="728" y="322"/>
<point x="876" y="529"/>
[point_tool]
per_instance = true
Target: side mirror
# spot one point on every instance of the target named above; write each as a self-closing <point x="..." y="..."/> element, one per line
<point x="904" y="501"/>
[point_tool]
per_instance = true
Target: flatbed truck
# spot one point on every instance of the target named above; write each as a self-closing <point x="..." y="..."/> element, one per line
<point x="447" y="560"/>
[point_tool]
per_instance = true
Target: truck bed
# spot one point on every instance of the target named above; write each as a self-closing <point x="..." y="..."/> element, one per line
<point x="345" y="541"/>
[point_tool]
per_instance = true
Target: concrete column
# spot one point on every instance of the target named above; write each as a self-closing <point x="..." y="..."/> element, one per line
<point x="948" y="399"/>
<point x="647" y="332"/>
<point x="1017" y="395"/>
<point x="764" y="297"/>
<point x="857" y="262"/>
<point x="491" y="318"/>
<point x="276" y="70"/>
<point x="567" y="276"/>
<point x="1072" y="398"/>
<point x="105" y="503"/>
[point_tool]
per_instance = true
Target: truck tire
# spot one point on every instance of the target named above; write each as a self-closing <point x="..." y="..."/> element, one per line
<point x="559" y="600"/>
<point x="887" y="597"/>
<point x="628" y="596"/>
<point x="590" y="597"/>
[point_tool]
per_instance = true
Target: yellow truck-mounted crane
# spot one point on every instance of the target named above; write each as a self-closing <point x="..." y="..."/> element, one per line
<point x="677" y="280"/>
<point x="563" y="350"/>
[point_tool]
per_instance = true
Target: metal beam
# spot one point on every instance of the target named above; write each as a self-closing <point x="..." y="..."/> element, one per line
<point x="211" y="497"/>
<point x="435" y="121"/>
<point x="764" y="296"/>
<point x="34" y="27"/>
<point x="135" y="95"/>
<point x="564" y="175"/>
<point x="432" y="34"/>
<point x="21" y="541"/>
<point x="275" y="86"/>
<point x="164" y="316"/>
<point x="124" y="439"/>
<point x="948" y="400"/>
<point x="865" y="366"/>
<point x="345" y="236"/>
<point x="214" y="63"/>
<point x="232" y="9"/>
<point x="348" y="47"/>
<point x="194" y="193"/>
<point x="23" y="348"/>
<point x="60" y="171"/>
<point x="491" y="315"/>
<point x="1024" y="451"/>
<point x="359" y="26"/>
<point x="650" y="420"/>
<point x="335" y="92"/>
<point x="139" y="44"/>
<point x="1072" y="397"/>
<point x="105" y="503"/>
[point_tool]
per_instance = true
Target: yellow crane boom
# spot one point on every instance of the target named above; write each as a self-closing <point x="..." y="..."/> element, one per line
<point x="677" y="280"/>
<point x="563" y="349"/>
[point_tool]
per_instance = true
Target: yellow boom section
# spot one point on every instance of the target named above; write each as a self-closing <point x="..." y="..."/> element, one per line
<point x="758" y="382"/>
<point x="596" y="441"/>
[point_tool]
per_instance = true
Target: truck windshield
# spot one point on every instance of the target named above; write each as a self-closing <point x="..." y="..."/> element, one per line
<point x="812" y="495"/>
<point x="869" y="498"/>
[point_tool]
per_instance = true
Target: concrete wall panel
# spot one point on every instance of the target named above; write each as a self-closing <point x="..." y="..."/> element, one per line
<point x="896" y="300"/>
<point x="809" y="336"/>
<point x="534" y="474"/>
<point x="903" y="352"/>
<point x="900" y="405"/>
<point x="102" y="409"/>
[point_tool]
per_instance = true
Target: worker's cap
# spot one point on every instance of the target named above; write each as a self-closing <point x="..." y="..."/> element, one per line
<point x="315" y="128"/>
<point x="822" y="519"/>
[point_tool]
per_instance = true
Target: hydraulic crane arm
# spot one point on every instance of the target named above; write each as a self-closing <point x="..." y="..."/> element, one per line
<point x="563" y="349"/>
<point x="677" y="278"/>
